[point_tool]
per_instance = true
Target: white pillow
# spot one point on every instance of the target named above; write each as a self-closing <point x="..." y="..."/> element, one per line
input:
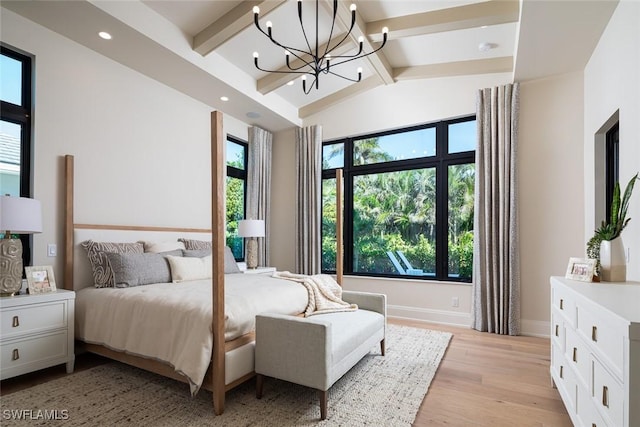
<point x="190" y="268"/>
<point x="157" y="247"/>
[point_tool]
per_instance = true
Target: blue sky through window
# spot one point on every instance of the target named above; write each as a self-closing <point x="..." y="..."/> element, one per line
<point x="10" y="78"/>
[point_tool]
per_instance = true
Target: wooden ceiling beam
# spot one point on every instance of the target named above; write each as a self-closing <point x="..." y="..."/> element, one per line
<point x="460" y="68"/>
<point x="231" y="24"/>
<point x="473" y="15"/>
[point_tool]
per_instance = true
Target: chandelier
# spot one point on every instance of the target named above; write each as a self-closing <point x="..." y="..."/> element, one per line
<point x="315" y="62"/>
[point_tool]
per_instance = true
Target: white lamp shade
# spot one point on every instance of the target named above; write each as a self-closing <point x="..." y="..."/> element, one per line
<point x="20" y="215"/>
<point x="251" y="228"/>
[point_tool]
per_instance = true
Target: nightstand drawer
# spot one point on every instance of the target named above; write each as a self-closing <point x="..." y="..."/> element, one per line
<point x="41" y="349"/>
<point x="33" y="318"/>
<point x="608" y="394"/>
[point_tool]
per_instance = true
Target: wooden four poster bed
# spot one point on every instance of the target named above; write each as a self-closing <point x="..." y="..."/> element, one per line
<point x="231" y="361"/>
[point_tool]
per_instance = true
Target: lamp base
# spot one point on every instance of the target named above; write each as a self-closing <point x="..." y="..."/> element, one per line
<point x="252" y="253"/>
<point x="10" y="266"/>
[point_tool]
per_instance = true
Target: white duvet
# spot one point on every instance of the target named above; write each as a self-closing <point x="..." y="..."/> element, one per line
<point x="171" y="322"/>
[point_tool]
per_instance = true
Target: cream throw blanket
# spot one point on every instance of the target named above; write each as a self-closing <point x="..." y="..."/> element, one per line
<point x="325" y="294"/>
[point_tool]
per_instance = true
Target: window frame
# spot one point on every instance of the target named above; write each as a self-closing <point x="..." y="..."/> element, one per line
<point x="612" y="164"/>
<point x="440" y="161"/>
<point x="21" y="115"/>
<point x="233" y="172"/>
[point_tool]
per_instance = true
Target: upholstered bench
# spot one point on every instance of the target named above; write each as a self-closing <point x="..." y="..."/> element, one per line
<point x="316" y="351"/>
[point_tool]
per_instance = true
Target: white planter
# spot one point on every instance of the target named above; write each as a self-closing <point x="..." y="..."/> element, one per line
<point x="613" y="265"/>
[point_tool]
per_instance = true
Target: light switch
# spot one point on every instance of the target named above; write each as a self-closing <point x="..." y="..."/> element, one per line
<point x="52" y="250"/>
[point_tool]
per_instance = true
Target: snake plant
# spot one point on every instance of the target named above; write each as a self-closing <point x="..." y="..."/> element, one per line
<point x="617" y="222"/>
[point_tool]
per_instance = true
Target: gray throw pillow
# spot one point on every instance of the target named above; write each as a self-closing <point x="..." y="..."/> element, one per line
<point x="140" y="269"/>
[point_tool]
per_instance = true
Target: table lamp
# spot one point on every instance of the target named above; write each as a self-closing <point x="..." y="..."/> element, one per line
<point x="18" y="215"/>
<point x="251" y="228"/>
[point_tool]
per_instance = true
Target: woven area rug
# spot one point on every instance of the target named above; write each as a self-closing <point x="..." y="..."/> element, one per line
<point x="378" y="391"/>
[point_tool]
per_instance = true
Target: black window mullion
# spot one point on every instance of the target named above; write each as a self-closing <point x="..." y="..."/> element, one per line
<point x="442" y="197"/>
<point x="348" y="207"/>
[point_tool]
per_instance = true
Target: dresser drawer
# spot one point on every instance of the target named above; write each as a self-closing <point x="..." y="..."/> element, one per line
<point x="564" y="303"/>
<point x="608" y="340"/>
<point x="586" y="410"/>
<point x="564" y="378"/>
<point x="608" y="394"/>
<point x="33" y="318"/>
<point x="20" y="352"/>
<point x="578" y="357"/>
<point x="557" y="329"/>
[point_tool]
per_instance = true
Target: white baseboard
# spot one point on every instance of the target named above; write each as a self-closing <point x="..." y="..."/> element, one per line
<point x="531" y="328"/>
<point x="453" y="318"/>
<point x="535" y="328"/>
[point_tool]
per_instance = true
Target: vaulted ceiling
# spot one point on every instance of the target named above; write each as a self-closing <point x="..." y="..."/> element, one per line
<point x="205" y="48"/>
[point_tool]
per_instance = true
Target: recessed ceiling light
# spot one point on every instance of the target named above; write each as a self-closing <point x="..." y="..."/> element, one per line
<point x="224" y="98"/>
<point x="105" y="35"/>
<point x="484" y="26"/>
<point x="290" y="83"/>
<point x="485" y="46"/>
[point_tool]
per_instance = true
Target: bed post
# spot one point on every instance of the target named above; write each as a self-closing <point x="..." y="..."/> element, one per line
<point x="68" y="222"/>
<point x="339" y="243"/>
<point x="218" y="169"/>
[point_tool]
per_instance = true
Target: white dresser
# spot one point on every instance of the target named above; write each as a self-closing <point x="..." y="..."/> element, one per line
<point x="595" y="351"/>
<point x="36" y="332"/>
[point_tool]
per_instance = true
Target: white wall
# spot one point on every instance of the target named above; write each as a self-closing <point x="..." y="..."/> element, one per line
<point x="142" y="150"/>
<point x="551" y="202"/>
<point x="612" y="82"/>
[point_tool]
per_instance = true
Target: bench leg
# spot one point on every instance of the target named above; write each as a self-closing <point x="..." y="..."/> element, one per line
<point x="259" y="382"/>
<point x="323" y="404"/>
<point x="382" y="347"/>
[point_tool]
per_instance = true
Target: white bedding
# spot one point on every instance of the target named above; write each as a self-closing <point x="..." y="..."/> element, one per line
<point x="171" y="322"/>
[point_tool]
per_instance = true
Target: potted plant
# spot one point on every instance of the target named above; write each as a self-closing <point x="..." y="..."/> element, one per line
<point x="606" y="244"/>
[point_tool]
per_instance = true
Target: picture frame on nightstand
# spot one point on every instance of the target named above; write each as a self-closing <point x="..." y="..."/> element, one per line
<point x="40" y="279"/>
<point x="581" y="269"/>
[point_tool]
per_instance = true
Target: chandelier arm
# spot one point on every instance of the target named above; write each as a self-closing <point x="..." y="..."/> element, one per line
<point x="333" y="23"/>
<point x="304" y="33"/>
<point x="352" y="58"/>
<point x="343" y="77"/>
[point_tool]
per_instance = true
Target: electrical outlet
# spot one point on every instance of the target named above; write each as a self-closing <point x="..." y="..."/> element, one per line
<point x="455" y="302"/>
<point x="52" y="250"/>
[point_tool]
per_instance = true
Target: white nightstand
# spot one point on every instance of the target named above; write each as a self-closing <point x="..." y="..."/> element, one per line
<point x="36" y="332"/>
<point x="260" y="270"/>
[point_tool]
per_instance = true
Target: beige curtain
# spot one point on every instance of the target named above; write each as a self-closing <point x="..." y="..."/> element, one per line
<point x="308" y="199"/>
<point x="496" y="268"/>
<point x="259" y="185"/>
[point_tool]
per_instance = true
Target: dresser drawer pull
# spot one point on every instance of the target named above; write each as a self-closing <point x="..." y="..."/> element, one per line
<point x="15" y="355"/>
<point x="561" y="304"/>
<point x="561" y="372"/>
<point x="575" y="354"/>
<point x="594" y="333"/>
<point x="593" y="425"/>
<point x="557" y="330"/>
<point x="16" y="322"/>
<point x="605" y="396"/>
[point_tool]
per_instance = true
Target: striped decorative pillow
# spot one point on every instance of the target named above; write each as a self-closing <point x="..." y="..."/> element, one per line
<point x="190" y="244"/>
<point x="102" y="272"/>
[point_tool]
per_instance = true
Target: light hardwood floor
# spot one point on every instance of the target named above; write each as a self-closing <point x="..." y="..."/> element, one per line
<point x="483" y="380"/>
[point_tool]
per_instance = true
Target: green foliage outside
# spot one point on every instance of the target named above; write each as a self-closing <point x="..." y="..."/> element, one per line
<point x="235" y="210"/>
<point x="395" y="212"/>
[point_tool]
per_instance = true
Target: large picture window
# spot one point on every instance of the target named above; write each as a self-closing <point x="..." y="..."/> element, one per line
<point x="236" y="187"/>
<point x="409" y="198"/>
<point x="15" y="129"/>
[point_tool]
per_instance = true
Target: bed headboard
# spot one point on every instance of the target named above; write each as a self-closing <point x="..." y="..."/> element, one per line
<point x="82" y="276"/>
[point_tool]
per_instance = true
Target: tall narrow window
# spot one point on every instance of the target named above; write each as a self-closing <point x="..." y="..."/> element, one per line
<point x="236" y="193"/>
<point x="15" y="129"/>
<point x="408" y="202"/>
<point x="612" y="141"/>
